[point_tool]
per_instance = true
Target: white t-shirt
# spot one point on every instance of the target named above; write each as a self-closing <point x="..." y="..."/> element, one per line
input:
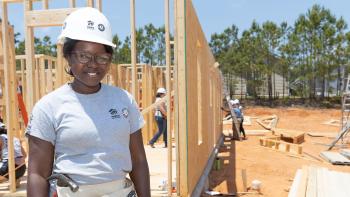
<point x="158" y="112"/>
<point x="16" y="145"/>
<point x="90" y="132"/>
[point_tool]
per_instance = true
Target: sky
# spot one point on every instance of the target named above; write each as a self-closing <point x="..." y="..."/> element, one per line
<point x="214" y="15"/>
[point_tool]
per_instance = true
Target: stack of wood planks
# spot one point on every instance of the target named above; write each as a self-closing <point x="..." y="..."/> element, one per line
<point x="313" y="181"/>
<point x="342" y="158"/>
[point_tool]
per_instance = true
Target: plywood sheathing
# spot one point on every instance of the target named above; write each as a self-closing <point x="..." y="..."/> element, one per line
<point x="319" y="181"/>
<point x="199" y="97"/>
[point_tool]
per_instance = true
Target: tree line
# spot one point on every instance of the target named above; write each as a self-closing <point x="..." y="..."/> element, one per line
<point x="310" y="54"/>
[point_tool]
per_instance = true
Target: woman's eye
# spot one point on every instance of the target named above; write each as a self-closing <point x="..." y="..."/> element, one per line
<point x="84" y="56"/>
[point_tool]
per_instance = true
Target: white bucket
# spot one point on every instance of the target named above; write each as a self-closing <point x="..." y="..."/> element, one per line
<point x="256" y="185"/>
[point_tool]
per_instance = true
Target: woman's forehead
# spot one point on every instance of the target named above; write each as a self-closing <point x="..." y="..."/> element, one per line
<point x="89" y="46"/>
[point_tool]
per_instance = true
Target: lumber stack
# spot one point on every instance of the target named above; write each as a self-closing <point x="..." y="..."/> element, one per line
<point x="318" y="181"/>
<point x="336" y="158"/>
<point x="292" y="136"/>
<point x="268" y="122"/>
<point x="277" y="144"/>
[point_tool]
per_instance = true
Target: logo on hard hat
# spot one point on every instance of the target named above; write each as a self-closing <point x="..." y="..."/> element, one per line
<point x="90" y="25"/>
<point x="125" y="112"/>
<point x="101" y="27"/>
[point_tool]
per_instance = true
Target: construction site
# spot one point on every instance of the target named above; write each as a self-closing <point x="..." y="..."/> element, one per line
<point x="292" y="151"/>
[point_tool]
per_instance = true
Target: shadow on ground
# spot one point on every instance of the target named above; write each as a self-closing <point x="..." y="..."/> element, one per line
<point x="222" y="179"/>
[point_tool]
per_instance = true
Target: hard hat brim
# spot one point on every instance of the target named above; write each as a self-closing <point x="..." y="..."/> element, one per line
<point x="88" y="38"/>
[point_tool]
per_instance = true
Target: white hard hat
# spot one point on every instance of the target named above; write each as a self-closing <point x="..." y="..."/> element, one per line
<point x="232" y="102"/>
<point x="161" y="91"/>
<point x="237" y="101"/>
<point x="87" y="24"/>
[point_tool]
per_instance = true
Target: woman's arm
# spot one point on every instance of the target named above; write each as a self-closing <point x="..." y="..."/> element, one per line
<point x="24" y="153"/>
<point x="41" y="156"/>
<point x="140" y="172"/>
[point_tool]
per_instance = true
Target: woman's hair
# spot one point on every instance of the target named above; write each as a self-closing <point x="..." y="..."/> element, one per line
<point x="3" y="131"/>
<point x="159" y="95"/>
<point x="68" y="48"/>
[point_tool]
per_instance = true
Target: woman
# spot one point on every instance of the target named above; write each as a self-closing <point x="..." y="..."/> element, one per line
<point x="160" y="117"/>
<point x="88" y="131"/>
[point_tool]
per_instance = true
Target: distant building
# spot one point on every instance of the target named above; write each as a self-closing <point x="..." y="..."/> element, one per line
<point x="239" y="86"/>
<point x="277" y="86"/>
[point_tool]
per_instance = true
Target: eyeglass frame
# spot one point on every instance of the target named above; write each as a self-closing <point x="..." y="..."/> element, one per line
<point x="92" y="57"/>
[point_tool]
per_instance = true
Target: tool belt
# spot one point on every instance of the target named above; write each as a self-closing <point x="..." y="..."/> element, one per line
<point x="120" y="188"/>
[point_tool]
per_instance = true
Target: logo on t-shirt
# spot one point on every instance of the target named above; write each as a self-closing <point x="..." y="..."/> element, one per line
<point x="114" y="113"/>
<point x="125" y="112"/>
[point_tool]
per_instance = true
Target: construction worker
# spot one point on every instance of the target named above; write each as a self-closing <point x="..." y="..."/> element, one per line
<point x="160" y="117"/>
<point x="239" y="112"/>
<point x="19" y="155"/>
<point x="87" y="131"/>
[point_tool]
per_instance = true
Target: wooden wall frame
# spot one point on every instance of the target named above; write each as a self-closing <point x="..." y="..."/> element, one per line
<point x="198" y="99"/>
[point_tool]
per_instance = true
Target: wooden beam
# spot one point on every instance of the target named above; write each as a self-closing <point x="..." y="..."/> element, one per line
<point x="133" y="49"/>
<point x="10" y="93"/>
<point x="90" y="3"/>
<point x="59" y="67"/>
<point x="244" y="180"/>
<point x="72" y="3"/>
<point x="30" y="61"/>
<point x="42" y="77"/>
<point x="176" y="101"/>
<point x="181" y="94"/>
<point x="168" y="95"/>
<point x="45" y="4"/>
<point x="47" y="18"/>
<point x="99" y="5"/>
<point x="16" y="1"/>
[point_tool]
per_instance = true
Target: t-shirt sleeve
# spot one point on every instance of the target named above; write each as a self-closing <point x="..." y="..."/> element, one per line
<point x="41" y="125"/>
<point x="135" y="117"/>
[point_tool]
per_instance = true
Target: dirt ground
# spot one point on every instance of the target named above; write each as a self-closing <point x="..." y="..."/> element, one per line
<point x="275" y="169"/>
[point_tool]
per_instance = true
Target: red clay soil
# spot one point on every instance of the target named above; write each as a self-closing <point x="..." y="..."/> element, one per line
<point x="274" y="169"/>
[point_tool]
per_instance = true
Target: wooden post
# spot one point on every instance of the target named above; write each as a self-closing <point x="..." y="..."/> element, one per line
<point x="300" y="149"/>
<point x="23" y="80"/>
<point x="59" y="67"/>
<point x="30" y="61"/>
<point x="261" y="142"/>
<point x="49" y="76"/>
<point x="43" y="82"/>
<point x="72" y="3"/>
<point x="10" y="94"/>
<point x="99" y="5"/>
<point x="36" y="79"/>
<point x="45" y="4"/>
<point x="244" y="179"/>
<point x="168" y="95"/>
<point x="90" y="3"/>
<point x="277" y="144"/>
<point x="181" y="95"/>
<point x="287" y="147"/>
<point x="133" y="50"/>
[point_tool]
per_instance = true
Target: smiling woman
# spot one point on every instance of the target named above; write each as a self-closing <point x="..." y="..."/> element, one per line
<point x="87" y="131"/>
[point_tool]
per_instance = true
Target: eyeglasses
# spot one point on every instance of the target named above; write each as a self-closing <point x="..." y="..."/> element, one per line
<point x="85" y="57"/>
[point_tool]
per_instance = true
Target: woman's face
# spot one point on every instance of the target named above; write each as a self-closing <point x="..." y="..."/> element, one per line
<point x="89" y="64"/>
